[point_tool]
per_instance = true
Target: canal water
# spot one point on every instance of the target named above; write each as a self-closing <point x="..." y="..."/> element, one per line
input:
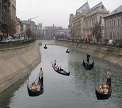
<point x="74" y="91"/>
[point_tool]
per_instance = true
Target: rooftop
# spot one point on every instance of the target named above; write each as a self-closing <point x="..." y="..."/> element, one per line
<point x="116" y="11"/>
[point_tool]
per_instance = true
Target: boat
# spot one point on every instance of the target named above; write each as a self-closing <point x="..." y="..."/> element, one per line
<point x="103" y="96"/>
<point x="88" y="67"/>
<point x="45" y="47"/>
<point x="61" y="71"/>
<point x="67" y="51"/>
<point x="33" y="93"/>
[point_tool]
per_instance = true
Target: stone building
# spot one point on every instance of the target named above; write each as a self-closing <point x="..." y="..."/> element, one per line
<point x="19" y="28"/>
<point x="113" y="24"/>
<point x="81" y="24"/>
<point x="29" y="25"/>
<point x="13" y="10"/>
<point x="4" y="17"/>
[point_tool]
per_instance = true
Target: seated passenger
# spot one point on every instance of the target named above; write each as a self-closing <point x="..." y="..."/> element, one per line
<point x="34" y="86"/>
<point x="38" y="87"/>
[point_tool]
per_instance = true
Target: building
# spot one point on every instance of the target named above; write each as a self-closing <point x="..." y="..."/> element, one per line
<point x="13" y="10"/>
<point x="19" y="28"/>
<point x="81" y="24"/>
<point x="53" y="32"/>
<point x="113" y="24"/>
<point x="39" y="31"/>
<point x="29" y="25"/>
<point x="4" y="17"/>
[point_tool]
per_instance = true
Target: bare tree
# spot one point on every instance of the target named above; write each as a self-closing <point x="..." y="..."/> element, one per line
<point x="97" y="31"/>
<point x="11" y="27"/>
<point x="28" y="33"/>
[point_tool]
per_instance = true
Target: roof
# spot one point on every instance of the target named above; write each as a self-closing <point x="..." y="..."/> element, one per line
<point x="98" y="7"/>
<point x="84" y="7"/>
<point x="116" y="11"/>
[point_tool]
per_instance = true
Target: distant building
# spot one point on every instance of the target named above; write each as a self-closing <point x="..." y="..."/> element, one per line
<point x="81" y="24"/>
<point x="19" y="28"/>
<point x="53" y="32"/>
<point x="39" y="31"/>
<point x="29" y="25"/>
<point x="113" y="24"/>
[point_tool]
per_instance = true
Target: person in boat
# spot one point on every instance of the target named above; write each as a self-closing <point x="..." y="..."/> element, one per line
<point x="45" y="46"/>
<point x="57" y="68"/>
<point x="109" y="79"/>
<point x="54" y="63"/>
<point x="105" y="89"/>
<point x="101" y="90"/>
<point x="38" y="87"/>
<point x="41" y="74"/>
<point x="88" y="57"/>
<point x="34" y="86"/>
<point x="67" y="50"/>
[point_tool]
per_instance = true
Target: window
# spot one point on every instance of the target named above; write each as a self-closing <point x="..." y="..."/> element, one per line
<point x="114" y="23"/>
<point x="118" y="22"/>
<point x="110" y="23"/>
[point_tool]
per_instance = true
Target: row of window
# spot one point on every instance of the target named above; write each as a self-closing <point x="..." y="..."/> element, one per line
<point x="113" y="35"/>
<point x="113" y="23"/>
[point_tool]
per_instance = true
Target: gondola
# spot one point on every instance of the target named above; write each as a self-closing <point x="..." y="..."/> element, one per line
<point x="33" y="93"/>
<point x="45" y="47"/>
<point x="67" y="51"/>
<point x="88" y="67"/>
<point x="61" y="71"/>
<point x="102" y="96"/>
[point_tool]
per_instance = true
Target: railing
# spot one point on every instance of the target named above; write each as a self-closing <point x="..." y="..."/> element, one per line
<point x="13" y="43"/>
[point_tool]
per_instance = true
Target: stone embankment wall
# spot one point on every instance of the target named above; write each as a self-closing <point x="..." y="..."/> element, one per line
<point x="16" y="63"/>
<point x="110" y="54"/>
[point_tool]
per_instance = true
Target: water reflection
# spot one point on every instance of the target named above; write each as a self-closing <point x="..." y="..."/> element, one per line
<point x="6" y="96"/>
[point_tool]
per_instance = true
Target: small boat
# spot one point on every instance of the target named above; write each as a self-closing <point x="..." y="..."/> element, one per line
<point x="67" y="51"/>
<point x="45" y="47"/>
<point x="103" y="96"/>
<point x="33" y="93"/>
<point x="88" y="67"/>
<point x="61" y="71"/>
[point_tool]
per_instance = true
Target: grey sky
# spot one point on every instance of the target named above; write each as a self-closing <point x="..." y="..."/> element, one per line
<point x="56" y="11"/>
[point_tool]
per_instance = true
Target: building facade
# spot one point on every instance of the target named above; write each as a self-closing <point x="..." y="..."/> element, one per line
<point x="19" y="28"/>
<point x="4" y="17"/>
<point x="113" y="24"/>
<point x="29" y="25"/>
<point x="13" y="10"/>
<point x="81" y="24"/>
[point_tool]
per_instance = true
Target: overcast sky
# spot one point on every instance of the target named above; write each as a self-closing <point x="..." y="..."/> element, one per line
<point x="56" y="11"/>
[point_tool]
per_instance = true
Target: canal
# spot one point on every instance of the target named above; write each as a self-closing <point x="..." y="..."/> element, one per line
<point x="74" y="91"/>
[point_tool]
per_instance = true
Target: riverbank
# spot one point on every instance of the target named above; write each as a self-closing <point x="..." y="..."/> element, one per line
<point x="110" y="54"/>
<point x="16" y="63"/>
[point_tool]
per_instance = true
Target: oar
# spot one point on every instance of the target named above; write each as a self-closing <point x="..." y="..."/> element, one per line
<point x="35" y="80"/>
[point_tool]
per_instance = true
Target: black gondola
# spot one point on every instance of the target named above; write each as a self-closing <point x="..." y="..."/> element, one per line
<point x="67" y="51"/>
<point x="102" y="96"/>
<point x="61" y="71"/>
<point x="34" y="92"/>
<point x="88" y="67"/>
<point x="45" y="47"/>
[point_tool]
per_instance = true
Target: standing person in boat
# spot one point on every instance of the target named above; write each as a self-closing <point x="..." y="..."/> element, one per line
<point x="54" y="63"/>
<point x="41" y="74"/>
<point x="109" y="78"/>
<point x="67" y="50"/>
<point x="88" y="57"/>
